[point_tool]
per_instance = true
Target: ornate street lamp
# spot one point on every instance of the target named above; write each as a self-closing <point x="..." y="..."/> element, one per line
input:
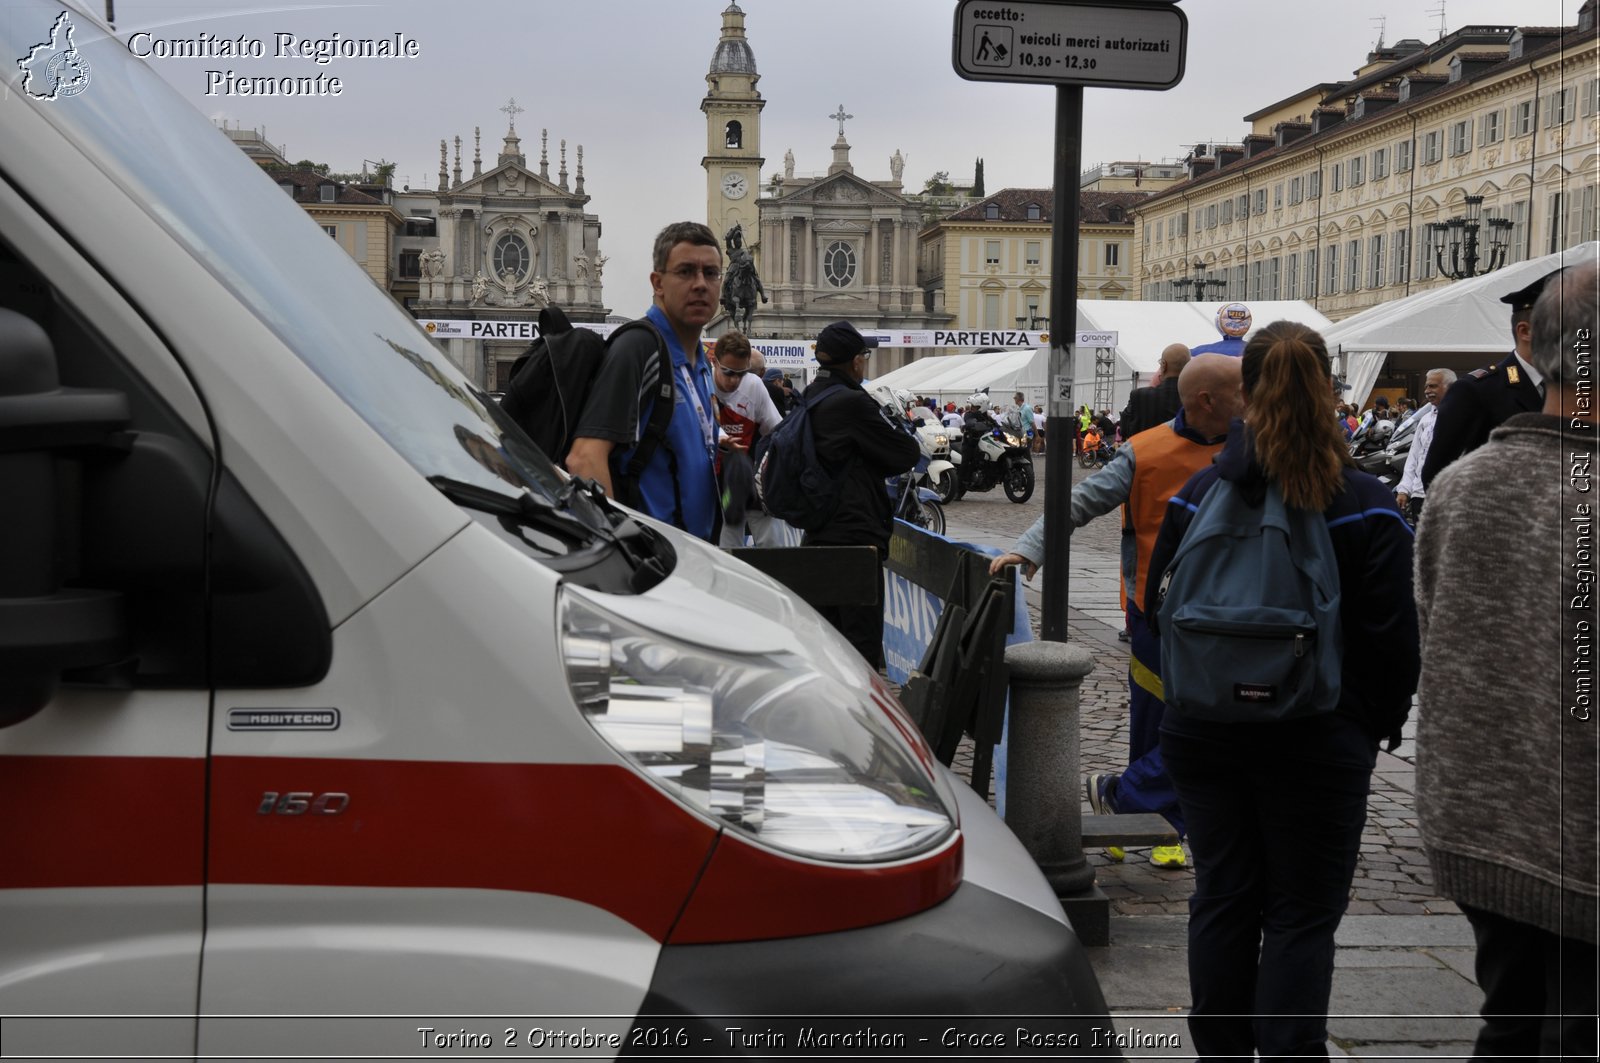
<point x="1198" y="282"/>
<point x="1461" y="234"/>
<point x="1034" y="321"/>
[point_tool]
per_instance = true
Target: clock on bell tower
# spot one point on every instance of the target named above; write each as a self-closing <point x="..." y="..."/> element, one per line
<point x="732" y="107"/>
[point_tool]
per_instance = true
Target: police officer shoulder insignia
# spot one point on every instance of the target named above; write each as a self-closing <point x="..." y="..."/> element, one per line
<point x="1513" y="376"/>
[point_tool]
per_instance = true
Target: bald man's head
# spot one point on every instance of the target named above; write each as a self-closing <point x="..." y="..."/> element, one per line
<point x="1173" y="358"/>
<point x="1211" y="389"/>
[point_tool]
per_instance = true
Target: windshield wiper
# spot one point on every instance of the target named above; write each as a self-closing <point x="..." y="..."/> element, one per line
<point x="526" y="508"/>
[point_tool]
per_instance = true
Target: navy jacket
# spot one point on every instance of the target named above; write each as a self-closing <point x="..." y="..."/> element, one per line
<point x="1148" y="407"/>
<point x="1474" y="406"/>
<point x="1378" y="614"/>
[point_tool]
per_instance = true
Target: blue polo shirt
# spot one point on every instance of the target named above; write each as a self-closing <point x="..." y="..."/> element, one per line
<point x="679" y="484"/>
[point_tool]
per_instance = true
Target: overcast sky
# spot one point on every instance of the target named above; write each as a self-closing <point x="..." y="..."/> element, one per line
<point x="625" y="78"/>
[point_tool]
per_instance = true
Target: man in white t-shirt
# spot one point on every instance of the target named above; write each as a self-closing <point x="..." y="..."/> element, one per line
<point x="745" y="412"/>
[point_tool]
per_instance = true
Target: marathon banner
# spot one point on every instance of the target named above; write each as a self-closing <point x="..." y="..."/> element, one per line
<point x="783" y="354"/>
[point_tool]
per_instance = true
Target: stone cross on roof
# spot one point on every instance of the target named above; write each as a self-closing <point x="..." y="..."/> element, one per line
<point x="513" y="110"/>
<point x="841" y="118"/>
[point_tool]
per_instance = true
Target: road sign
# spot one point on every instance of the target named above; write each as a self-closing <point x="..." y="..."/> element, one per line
<point x="1118" y="44"/>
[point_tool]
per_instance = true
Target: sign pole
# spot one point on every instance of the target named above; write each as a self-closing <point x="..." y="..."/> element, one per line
<point x="1063" y="330"/>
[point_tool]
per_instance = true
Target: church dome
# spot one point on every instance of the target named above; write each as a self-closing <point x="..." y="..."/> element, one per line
<point x="733" y="56"/>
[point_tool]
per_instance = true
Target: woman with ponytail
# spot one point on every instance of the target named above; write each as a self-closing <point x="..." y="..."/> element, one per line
<point x="1275" y="809"/>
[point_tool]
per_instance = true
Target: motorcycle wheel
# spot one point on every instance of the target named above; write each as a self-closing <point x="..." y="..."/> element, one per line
<point x="948" y="486"/>
<point x="931" y="517"/>
<point x="1019" y="482"/>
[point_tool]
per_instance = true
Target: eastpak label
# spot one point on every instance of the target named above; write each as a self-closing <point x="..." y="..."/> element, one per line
<point x="1255" y="692"/>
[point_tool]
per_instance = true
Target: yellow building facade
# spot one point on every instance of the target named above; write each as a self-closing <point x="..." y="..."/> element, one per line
<point x="1330" y="197"/>
<point x="989" y="264"/>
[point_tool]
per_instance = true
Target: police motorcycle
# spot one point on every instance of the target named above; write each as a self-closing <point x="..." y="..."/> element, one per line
<point x="914" y="501"/>
<point x="1381" y="449"/>
<point x="939" y="443"/>
<point x="996" y="454"/>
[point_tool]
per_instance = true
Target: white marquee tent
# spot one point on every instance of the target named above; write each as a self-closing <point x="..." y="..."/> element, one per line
<point x="1463" y="318"/>
<point x="1143" y="329"/>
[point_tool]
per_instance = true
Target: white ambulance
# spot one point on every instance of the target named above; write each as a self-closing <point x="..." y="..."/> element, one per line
<point x="322" y="696"/>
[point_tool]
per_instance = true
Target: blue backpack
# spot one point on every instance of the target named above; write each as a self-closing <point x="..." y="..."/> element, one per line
<point x="1249" y="613"/>
<point x="790" y="481"/>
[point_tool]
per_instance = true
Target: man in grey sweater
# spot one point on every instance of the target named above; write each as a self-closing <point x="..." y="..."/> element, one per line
<point x="1507" y="731"/>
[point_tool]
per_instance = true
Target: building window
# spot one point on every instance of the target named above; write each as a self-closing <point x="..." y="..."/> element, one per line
<point x="410" y="264"/>
<point x="1254" y="290"/>
<point x="1277" y="196"/>
<point x="1430" y="147"/>
<point x="1357" y="167"/>
<point x="991" y="311"/>
<point x="1314" y="184"/>
<point x="1352" y="266"/>
<point x="733" y="135"/>
<point x="1211" y="216"/>
<point x="1425" y="254"/>
<point x="331" y="230"/>
<point x="1591" y="96"/>
<point x="1311" y="273"/>
<point x="1274" y="277"/>
<point x="1556" y="221"/>
<point x="1560" y="107"/>
<point x="1333" y="269"/>
<point x="1461" y="137"/>
<point x="1291" y="277"/>
<point x="991" y="212"/>
<point x="1032" y="251"/>
<point x="1586" y="215"/>
<point x="511" y="258"/>
<point x="1522" y="118"/>
<point x="991" y="252"/>
<point x="1159" y="226"/>
<point x="1335" y="177"/>
<point x="1400" y="257"/>
<point x="1296" y="190"/>
<point x="1402" y="157"/>
<point x="1380" y="164"/>
<point x="1113" y="254"/>
<point x="1226" y="213"/>
<point x="1236" y="289"/>
<point x="1493" y="129"/>
<point x="1242" y="207"/>
<point x="1260" y="201"/>
<point x="1183" y="225"/>
<point x="839" y="264"/>
<point x="327" y="193"/>
<point x="1034" y="213"/>
<point x="287" y="186"/>
<point x="1375" y="261"/>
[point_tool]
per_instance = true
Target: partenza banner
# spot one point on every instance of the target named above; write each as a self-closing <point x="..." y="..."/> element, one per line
<point x="780" y="353"/>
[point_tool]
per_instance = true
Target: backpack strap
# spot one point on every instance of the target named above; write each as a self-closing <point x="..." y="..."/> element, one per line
<point x="654" y="434"/>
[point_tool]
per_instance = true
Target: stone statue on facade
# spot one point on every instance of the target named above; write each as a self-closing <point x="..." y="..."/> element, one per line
<point x="480" y="286"/>
<point x="599" y="265"/>
<point x="788" y="165"/>
<point x="580" y="267"/>
<point x="539" y="293"/>
<point x="897" y="165"/>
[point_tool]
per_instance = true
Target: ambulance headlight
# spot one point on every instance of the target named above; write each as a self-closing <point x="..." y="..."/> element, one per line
<point x="790" y="756"/>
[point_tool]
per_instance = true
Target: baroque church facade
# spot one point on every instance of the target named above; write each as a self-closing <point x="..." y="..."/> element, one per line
<point x="829" y="246"/>
<point x="500" y="245"/>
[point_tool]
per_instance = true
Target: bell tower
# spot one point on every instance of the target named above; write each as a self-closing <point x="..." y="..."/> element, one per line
<point x="732" y="107"/>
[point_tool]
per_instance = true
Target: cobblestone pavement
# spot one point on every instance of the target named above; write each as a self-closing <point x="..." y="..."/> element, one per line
<point x="1392" y="876"/>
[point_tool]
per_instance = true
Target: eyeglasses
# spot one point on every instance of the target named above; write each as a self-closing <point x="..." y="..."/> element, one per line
<point x="687" y="274"/>
<point x="735" y="373"/>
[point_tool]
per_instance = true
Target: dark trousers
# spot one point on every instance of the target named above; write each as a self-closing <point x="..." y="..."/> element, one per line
<point x="1275" y="813"/>
<point x="861" y="625"/>
<point x="1145" y="786"/>
<point x="1538" y="990"/>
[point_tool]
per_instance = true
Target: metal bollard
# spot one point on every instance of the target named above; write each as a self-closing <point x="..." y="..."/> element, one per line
<point x="1042" y="767"/>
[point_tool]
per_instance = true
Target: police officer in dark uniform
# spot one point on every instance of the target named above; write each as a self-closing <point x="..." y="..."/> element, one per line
<point x="863" y="442"/>
<point x="1479" y="402"/>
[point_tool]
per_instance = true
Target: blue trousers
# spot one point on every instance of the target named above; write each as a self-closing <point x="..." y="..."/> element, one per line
<point x="1144" y="786"/>
<point x="1275" y="813"/>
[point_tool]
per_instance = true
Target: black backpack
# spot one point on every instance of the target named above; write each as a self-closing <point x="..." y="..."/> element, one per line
<point x="790" y="480"/>
<point x="551" y="382"/>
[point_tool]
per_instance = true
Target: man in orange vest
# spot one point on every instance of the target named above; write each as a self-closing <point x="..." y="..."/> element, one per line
<point x="1143" y="476"/>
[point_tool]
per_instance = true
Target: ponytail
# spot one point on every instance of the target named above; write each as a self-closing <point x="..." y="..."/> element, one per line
<point x="1287" y="382"/>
